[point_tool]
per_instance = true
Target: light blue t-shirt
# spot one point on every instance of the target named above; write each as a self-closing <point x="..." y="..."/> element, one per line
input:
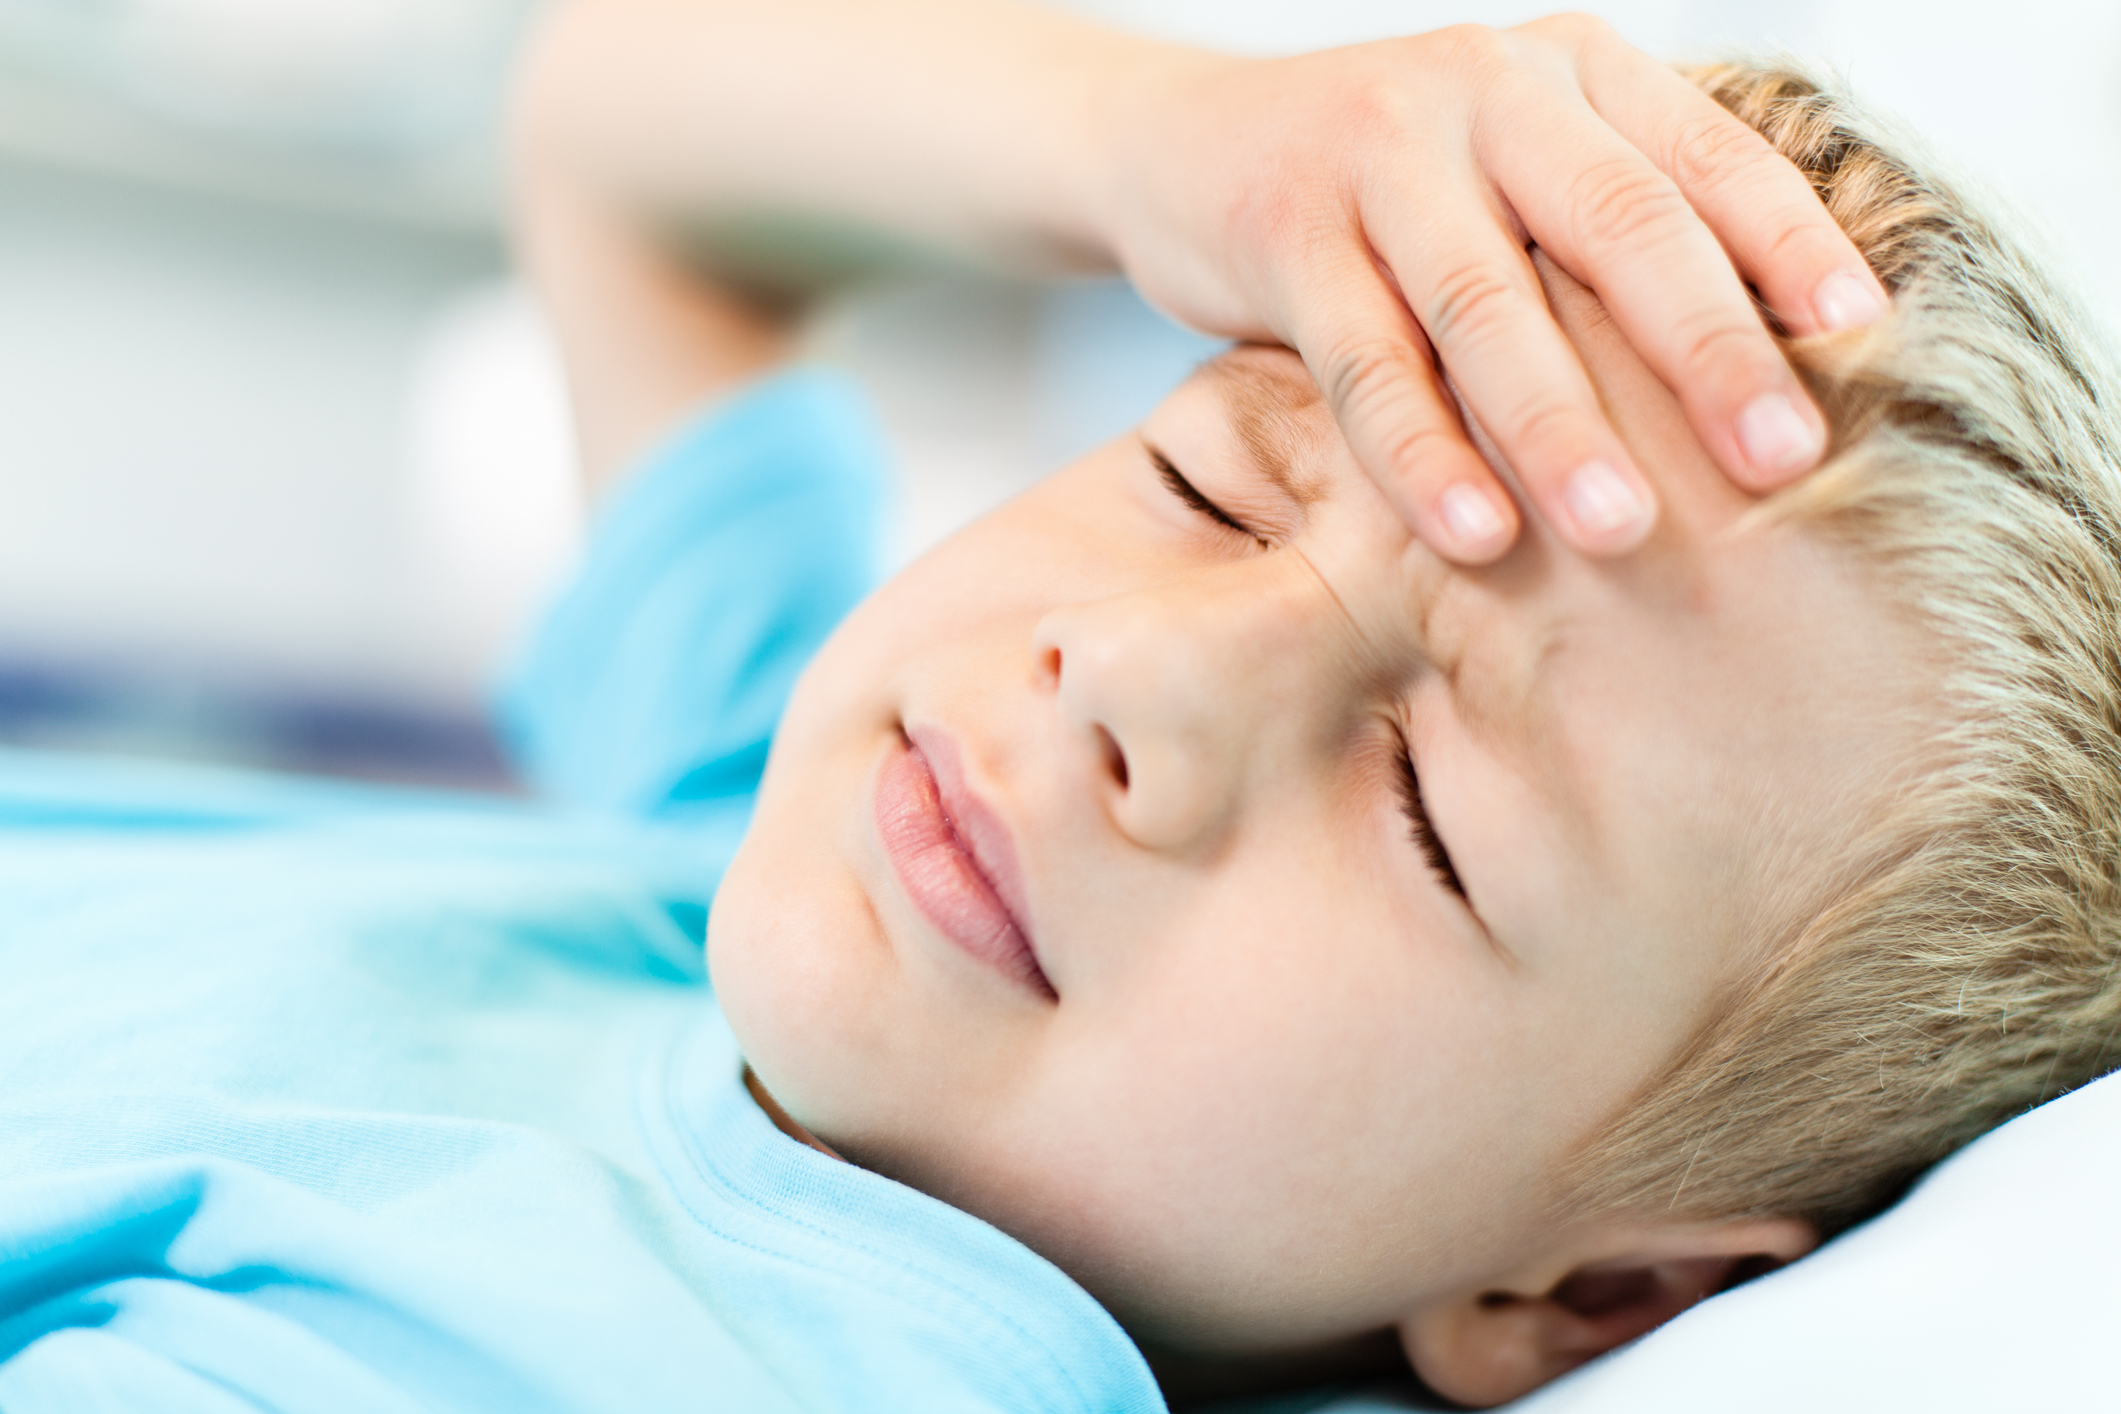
<point x="319" y="1097"/>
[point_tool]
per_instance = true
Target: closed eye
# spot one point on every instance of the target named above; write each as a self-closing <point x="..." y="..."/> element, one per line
<point x="1175" y="482"/>
<point x="1424" y="830"/>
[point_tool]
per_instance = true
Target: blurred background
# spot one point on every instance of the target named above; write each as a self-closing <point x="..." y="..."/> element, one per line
<point x="284" y="458"/>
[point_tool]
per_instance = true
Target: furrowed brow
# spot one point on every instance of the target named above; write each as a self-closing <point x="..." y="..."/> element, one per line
<point x="1271" y="411"/>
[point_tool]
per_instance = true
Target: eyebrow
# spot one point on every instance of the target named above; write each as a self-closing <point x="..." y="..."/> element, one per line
<point x="1268" y="406"/>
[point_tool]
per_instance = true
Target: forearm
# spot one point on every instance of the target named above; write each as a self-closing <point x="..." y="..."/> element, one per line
<point x="644" y="340"/>
<point x="786" y="142"/>
<point x="1370" y="206"/>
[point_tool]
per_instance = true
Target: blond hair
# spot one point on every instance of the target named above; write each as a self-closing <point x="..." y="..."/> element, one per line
<point x="1971" y="971"/>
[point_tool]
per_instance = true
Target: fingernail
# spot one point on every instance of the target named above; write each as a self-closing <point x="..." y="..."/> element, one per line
<point x="1471" y="518"/>
<point x="1845" y="301"/>
<point x="1775" y="436"/>
<point x="1600" y="501"/>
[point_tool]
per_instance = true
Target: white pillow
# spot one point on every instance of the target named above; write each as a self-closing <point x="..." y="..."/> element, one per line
<point x="1994" y="1286"/>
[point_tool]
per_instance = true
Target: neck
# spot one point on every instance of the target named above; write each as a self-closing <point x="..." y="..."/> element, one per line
<point x="782" y="1120"/>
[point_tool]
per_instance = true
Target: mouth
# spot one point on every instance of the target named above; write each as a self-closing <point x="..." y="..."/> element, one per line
<point x="954" y="856"/>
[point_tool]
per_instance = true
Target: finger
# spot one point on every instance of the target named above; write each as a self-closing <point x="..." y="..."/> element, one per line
<point x="1469" y="282"/>
<point x="1759" y="205"/>
<point x="1375" y="369"/>
<point x="1622" y="227"/>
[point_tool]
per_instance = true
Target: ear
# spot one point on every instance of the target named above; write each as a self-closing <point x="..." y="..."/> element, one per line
<point x="1599" y="1291"/>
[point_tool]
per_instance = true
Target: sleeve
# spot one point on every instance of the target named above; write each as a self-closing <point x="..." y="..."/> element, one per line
<point x="712" y="574"/>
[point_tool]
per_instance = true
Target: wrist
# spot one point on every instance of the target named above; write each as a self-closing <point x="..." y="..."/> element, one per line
<point x="1128" y="131"/>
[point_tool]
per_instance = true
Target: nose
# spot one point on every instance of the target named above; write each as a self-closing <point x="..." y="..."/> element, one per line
<point x="1181" y="698"/>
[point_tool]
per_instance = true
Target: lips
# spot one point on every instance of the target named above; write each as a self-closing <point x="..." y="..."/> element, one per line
<point x="954" y="856"/>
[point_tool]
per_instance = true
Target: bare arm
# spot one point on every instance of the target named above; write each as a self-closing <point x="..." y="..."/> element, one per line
<point x="687" y="173"/>
<point x="643" y="339"/>
<point x="1370" y="207"/>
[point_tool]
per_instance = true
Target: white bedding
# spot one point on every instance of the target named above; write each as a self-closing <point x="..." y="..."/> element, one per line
<point x="1991" y="1287"/>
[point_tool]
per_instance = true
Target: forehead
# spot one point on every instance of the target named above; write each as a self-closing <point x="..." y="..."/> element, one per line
<point x="1268" y="377"/>
<point x="1276" y="412"/>
<point x="1699" y="718"/>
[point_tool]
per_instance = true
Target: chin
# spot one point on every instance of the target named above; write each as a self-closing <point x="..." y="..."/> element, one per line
<point x="792" y="949"/>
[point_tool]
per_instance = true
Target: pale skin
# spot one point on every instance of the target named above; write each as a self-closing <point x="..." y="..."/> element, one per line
<point x="1291" y="1088"/>
<point x="1369" y="207"/>
<point x="1290" y="1091"/>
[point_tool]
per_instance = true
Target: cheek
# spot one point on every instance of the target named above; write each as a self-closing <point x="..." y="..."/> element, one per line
<point x="1266" y="1118"/>
<point x="819" y="1003"/>
<point x="792" y="946"/>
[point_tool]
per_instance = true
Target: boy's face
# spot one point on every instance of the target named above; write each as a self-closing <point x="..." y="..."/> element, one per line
<point x="1221" y="1038"/>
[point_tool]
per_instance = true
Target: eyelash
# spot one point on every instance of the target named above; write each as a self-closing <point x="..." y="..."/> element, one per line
<point x="1175" y="482"/>
<point x="1424" y="830"/>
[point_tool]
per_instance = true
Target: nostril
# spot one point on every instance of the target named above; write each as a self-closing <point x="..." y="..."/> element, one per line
<point x="1115" y="759"/>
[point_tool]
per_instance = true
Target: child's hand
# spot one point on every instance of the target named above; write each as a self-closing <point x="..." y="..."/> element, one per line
<point x="1371" y="207"/>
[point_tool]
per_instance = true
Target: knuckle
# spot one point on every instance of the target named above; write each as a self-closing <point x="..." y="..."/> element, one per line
<point x="1372" y="101"/>
<point x="1376" y="109"/>
<point x="1421" y="447"/>
<point x="1797" y="244"/>
<point x="1713" y="150"/>
<point x="1623" y="201"/>
<point x="1365" y="376"/>
<point x="1468" y="305"/>
<point x="1297" y="220"/>
<point x="1470" y="49"/>
<point x="1572" y="28"/>
<point x="1281" y="216"/>
<point x="1718" y="345"/>
<point x="1540" y="418"/>
<point x="1542" y="422"/>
